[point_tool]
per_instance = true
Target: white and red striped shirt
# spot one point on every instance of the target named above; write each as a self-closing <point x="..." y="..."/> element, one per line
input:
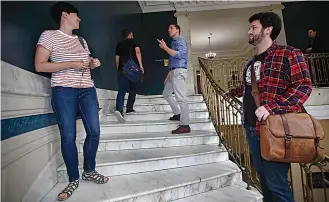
<point x="66" y="48"/>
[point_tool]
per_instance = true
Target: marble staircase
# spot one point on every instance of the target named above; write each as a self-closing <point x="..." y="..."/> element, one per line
<point x="146" y="163"/>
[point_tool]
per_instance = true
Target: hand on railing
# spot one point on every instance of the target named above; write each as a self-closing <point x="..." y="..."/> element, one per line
<point x="227" y="93"/>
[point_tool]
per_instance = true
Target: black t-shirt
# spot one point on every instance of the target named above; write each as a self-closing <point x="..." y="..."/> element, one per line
<point x="126" y="49"/>
<point x="248" y="101"/>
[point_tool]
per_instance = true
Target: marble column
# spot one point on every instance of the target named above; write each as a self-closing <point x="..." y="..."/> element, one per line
<point x="183" y="22"/>
<point x="277" y="8"/>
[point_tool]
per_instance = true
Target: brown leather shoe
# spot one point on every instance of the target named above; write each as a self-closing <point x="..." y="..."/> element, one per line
<point x="182" y="129"/>
<point x="175" y="118"/>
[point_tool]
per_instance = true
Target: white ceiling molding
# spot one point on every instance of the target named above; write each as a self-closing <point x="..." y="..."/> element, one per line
<point x="155" y="6"/>
<point x="217" y="5"/>
<point x="158" y="6"/>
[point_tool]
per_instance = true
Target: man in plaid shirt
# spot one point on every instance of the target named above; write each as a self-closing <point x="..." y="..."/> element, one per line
<point x="284" y="84"/>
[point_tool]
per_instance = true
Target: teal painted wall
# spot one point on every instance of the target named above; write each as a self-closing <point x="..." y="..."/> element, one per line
<point x="299" y="16"/>
<point x="101" y="25"/>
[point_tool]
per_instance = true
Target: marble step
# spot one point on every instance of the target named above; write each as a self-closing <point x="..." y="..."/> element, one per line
<point x="160" y="99"/>
<point x="157" y="186"/>
<point x="152" y="126"/>
<point x="154" y="140"/>
<point x="111" y="163"/>
<point x="233" y="193"/>
<point x="161" y="96"/>
<point x="152" y="97"/>
<point x="157" y="115"/>
<point x="147" y="107"/>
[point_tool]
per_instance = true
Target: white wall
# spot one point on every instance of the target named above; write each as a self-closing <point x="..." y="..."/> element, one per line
<point x="29" y="160"/>
<point x="318" y="103"/>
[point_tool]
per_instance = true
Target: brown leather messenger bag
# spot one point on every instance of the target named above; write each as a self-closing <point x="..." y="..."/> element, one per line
<point x="290" y="137"/>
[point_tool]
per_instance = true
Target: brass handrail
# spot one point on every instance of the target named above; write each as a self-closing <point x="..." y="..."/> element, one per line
<point x="228" y="72"/>
<point x="321" y="171"/>
<point x="318" y="64"/>
<point x="225" y="112"/>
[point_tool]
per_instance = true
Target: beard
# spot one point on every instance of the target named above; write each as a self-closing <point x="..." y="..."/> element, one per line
<point x="256" y="38"/>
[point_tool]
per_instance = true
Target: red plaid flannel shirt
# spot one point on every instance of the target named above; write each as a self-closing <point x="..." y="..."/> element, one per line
<point x="284" y="83"/>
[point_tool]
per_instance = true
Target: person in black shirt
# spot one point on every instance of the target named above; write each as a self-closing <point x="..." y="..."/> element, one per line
<point x="319" y="70"/>
<point x="272" y="66"/>
<point x="126" y="49"/>
<point x="316" y="44"/>
<point x="248" y="100"/>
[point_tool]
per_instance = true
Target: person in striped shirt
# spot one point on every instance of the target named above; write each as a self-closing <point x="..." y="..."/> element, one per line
<point x="73" y="91"/>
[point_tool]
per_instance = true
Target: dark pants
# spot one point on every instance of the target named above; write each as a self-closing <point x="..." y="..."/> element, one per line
<point x="66" y="103"/>
<point x="273" y="175"/>
<point x="125" y="86"/>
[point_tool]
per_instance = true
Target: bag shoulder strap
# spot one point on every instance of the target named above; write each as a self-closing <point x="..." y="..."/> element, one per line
<point x="254" y="87"/>
<point x="81" y="42"/>
<point x="130" y="55"/>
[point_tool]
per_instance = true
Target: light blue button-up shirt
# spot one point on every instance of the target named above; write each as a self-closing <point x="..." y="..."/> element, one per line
<point x="179" y="44"/>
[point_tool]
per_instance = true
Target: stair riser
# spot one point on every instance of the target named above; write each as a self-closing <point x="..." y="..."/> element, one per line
<point x="166" y="107"/>
<point x="163" y="101"/>
<point x="105" y="129"/>
<point x="174" y="193"/>
<point x="157" y="143"/>
<point x="151" y="165"/>
<point x="155" y="116"/>
<point x="159" y="100"/>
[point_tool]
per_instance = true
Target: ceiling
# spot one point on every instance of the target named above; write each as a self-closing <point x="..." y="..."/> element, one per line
<point x="229" y="29"/>
<point x="226" y="20"/>
<point x="167" y="5"/>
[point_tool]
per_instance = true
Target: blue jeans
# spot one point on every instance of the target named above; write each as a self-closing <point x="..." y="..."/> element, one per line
<point x="125" y="86"/>
<point x="273" y="175"/>
<point x="66" y="103"/>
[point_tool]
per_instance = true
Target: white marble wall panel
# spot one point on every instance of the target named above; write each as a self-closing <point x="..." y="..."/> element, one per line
<point x="31" y="159"/>
<point x="24" y="93"/>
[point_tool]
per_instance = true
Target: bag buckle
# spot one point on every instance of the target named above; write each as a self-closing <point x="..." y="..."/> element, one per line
<point x="288" y="137"/>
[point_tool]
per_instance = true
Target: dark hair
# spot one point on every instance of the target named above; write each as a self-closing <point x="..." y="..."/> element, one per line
<point x="125" y="33"/>
<point x="177" y="27"/>
<point x="59" y="7"/>
<point x="313" y="29"/>
<point x="269" y="19"/>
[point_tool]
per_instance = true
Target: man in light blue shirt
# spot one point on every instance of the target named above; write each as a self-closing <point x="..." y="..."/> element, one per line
<point x="175" y="80"/>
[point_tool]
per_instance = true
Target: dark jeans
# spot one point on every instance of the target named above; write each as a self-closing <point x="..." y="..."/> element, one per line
<point x="66" y="102"/>
<point x="273" y="175"/>
<point x="125" y="86"/>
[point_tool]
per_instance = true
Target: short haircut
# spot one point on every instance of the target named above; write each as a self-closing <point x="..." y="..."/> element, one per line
<point x="176" y="26"/>
<point x="269" y="19"/>
<point x="59" y="7"/>
<point x="125" y="33"/>
<point x="311" y="28"/>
